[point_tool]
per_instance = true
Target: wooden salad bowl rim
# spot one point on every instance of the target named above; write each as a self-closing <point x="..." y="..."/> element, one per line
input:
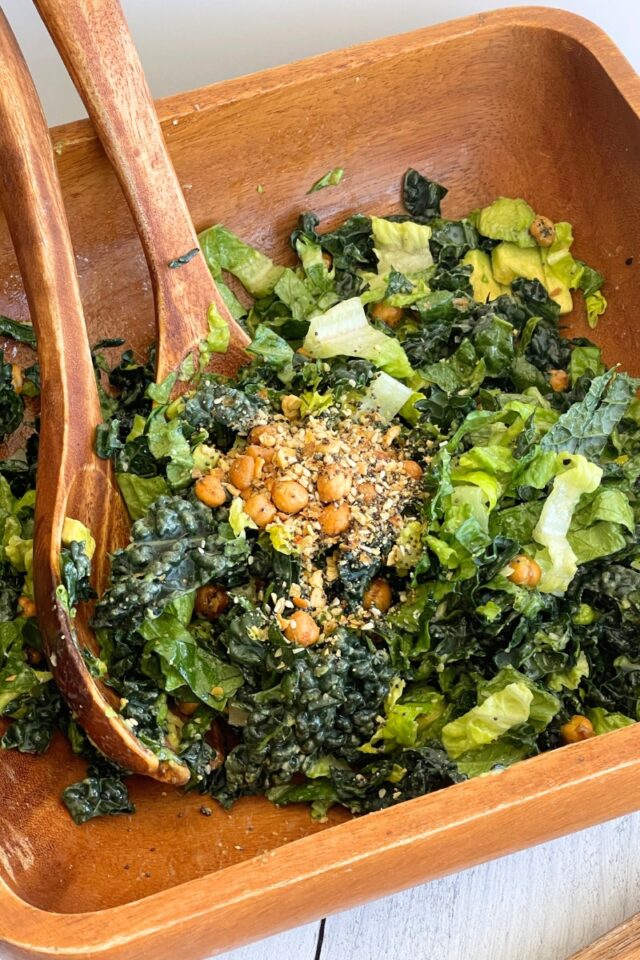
<point x="380" y="853"/>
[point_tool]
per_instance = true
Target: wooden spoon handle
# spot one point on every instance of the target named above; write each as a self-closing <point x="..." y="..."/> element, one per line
<point x="621" y="943"/>
<point x="94" y="41"/>
<point x="71" y="478"/>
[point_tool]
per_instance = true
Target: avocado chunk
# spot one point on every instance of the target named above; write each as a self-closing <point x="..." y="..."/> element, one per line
<point x="506" y="219"/>
<point x="75" y="532"/>
<point x="510" y="261"/>
<point x="484" y="284"/>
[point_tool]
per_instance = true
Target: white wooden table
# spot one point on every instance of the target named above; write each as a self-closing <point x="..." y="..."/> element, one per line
<point x="541" y="904"/>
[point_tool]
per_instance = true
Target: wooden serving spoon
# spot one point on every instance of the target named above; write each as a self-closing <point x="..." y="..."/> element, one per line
<point x="72" y="481"/>
<point x="94" y="41"/>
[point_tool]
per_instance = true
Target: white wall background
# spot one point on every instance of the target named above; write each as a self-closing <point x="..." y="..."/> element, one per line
<point x="188" y="43"/>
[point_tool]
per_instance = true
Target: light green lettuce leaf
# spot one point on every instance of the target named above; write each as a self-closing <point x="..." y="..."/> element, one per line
<point x="543" y="705"/>
<point x="509" y="707"/>
<point x="559" y="563"/>
<point x="223" y="250"/>
<point x="345" y="331"/>
<point x="506" y="219"/>
<point x="401" y="246"/>
<point x="140" y="492"/>
<point x="604" y="721"/>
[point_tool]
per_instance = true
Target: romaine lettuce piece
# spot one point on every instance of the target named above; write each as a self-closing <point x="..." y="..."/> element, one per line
<point x="560" y="564"/>
<point x="486" y="722"/>
<point x="223" y="250"/>
<point x="543" y="707"/>
<point x="506" y="219"/>
<point x="386" y="396"/>
<point x="401" y="246"/>
<point x="140" y="492"/>
<point x="604" y="721"/>
<point x="345" y="331"/>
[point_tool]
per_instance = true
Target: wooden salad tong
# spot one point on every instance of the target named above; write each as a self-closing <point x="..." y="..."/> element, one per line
<point x="72" y="481"/>
<point x="93" y="39"/>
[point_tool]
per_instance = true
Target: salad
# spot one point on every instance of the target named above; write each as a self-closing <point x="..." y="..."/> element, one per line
<point x="398" y="550"/>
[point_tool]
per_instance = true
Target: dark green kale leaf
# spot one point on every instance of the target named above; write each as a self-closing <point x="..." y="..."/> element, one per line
<point x="217" y="403"/>
<point x="308" y="703"/>
<point x="451" y="239"/>
<point x="586" y="427"/>
<point x="102" y="792"/>
<point x="11" y="404"/>
<point x="75" y="571"/>
<point x="422" y="197"/>
<point x="38" y="720"/>
<point x="177" y="547"/>
<point x="22" y="332"/>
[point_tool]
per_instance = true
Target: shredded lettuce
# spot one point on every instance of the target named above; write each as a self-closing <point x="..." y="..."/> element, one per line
<point x="560" y="562"/>
<point x="345" y="331"/>
<point x="403" y="247"/>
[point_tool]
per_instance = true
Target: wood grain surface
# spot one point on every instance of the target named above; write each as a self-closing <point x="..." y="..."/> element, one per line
<point x="93" y="38"/>
<point x="380" y="108"/>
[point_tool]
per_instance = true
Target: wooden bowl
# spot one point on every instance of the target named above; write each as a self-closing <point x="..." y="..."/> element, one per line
<point x="531" y="102"/>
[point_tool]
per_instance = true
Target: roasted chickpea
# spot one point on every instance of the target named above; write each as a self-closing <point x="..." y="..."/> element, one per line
<point x="289" y="496"/>
<point x="327" y="259"/>
<point x="242" y="472"/>
<point x="264" y="435"/>
<point x="412" y="469"/>
<point x="389" y="315"/>
<point x="334" y="483"/>
<point x="260" y="453"/>
<point x="543" y="231"/>
<point x="578" y="728"/>
<point x="209" y="489"/>
<point x="335" y="518"/>
<point x="525" y="572"/>
<point x="188" y="707"/>
<point x="378" y="595"/>
<point x="291" y="406"/>
<point x="559" y="380"/>
<point x="27" y="606"/>
<point x="17" y="380"/>
<point x="367" y="491"/>
<point x="260" y="509"/>
<point x="211" y="601"/>
<point x="302" y="628"/>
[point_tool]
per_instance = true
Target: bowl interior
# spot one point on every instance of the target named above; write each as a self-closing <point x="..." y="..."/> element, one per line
<point x="512" y="110"/>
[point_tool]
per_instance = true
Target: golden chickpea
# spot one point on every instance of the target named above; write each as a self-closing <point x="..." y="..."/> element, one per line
<point x="412" y="469"/>
<point x="578" y="728"/>
<point x="17" y="380"/>
<point x="335" y="518"/>
<point x="242" y="472"/>
<point x="334" y="483"/>
<point x="289" y="496"/>
<point x="543" y="231"/>
<point x="264" y="435"/>
<point x="302" y="629"/>
<point x="27" y="606"/>
<point x="188" y="708"/>
<point x="367" y="491"/>
<point x="260" y="453"/>
<point x="260" y="509"/>
<point x="291" y="406"/>
<point x="209" y="490"/>
<point x="525" y="572"/>
<point x="327" y="259"/>
<point x="211" y="601"/>
<point x="389" y="315"/>
<point x="559" y="380"/>
<point x="378" y="595"/>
